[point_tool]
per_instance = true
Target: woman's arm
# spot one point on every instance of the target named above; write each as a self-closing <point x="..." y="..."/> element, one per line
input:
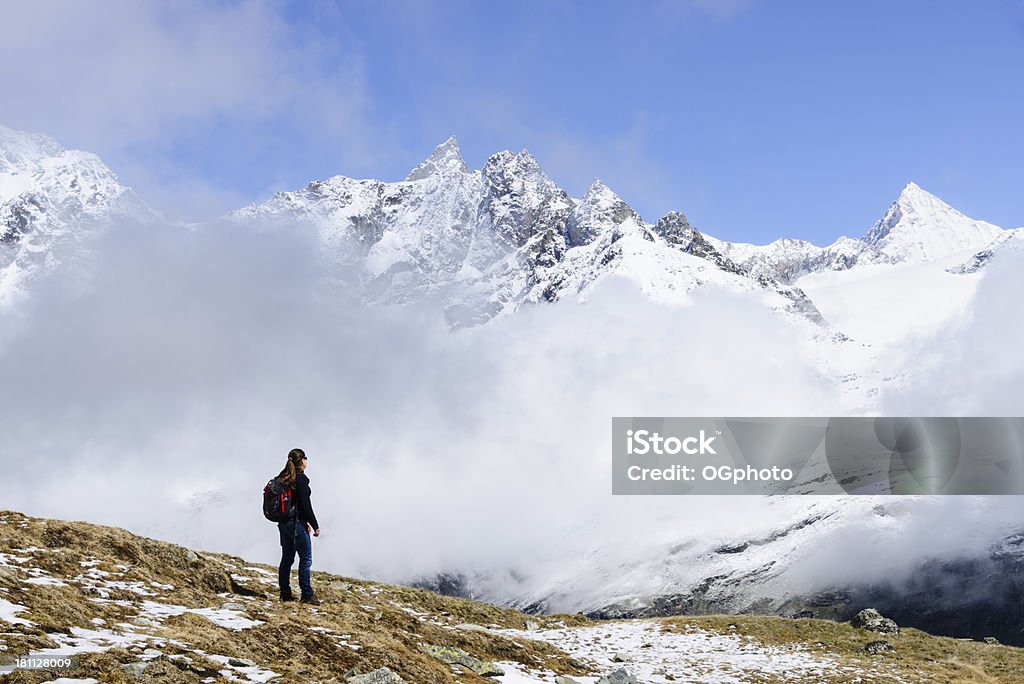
<point x="303" y="503"/>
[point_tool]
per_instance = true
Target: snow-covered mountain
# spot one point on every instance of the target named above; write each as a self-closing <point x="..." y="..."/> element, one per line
<point x="485" y="242"/>
<point x="493" y="240"/>
<point x="1004" y="242"/>
<point x="52" y="202"/>
<point x="830" y="558"/>
<point x="913" y="272"/>
<point x="918" y="227"/>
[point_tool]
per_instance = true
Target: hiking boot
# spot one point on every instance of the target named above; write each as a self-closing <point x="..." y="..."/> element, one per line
<point x="311" y="600"/>
<point x="287" y="597"/>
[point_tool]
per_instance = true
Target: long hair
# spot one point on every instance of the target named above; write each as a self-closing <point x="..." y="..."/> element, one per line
<point x="293" y="467"/>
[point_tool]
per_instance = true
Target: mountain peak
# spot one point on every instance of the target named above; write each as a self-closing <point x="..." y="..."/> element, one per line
<point x="599" y="193"/>
<point x="518" y="164"/>
<point x="919" y="226"/>
<point x="445" y="160"/>
<point x="600" y="210"/>
<point x="446" y="149"/>
<point x="18" y="148"/>
<point x="913" y="195"/>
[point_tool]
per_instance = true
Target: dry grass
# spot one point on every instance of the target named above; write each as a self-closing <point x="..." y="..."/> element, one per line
<point x="369" y="625"/>
<point x="919" y="657"/>
<point x="387" y="623"/>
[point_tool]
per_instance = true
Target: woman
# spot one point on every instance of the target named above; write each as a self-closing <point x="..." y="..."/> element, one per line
<point x="295" y="531"/>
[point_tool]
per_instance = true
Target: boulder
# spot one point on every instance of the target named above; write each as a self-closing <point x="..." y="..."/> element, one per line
<point x="380" y="676"/>
<point x="134" y="669"/>
<point x="620" y="676"/>
<point x="456" y="656"/>
<point x="871" y="620"/>
<point x="876" y="647"/>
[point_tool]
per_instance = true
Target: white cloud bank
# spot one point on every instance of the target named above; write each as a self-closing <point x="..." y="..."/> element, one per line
<point x="974" y="368"/>
<point x="162" y="400"/>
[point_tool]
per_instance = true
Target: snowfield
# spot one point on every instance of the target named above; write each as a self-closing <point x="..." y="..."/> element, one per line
<point x="656" y="656"/>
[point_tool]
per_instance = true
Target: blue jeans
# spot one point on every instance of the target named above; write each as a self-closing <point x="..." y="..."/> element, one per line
<point x="295" y="538"/>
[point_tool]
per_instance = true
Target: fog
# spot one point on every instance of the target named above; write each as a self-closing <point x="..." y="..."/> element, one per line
<point x="163" y="396"/>
<point x="975" y="368"/>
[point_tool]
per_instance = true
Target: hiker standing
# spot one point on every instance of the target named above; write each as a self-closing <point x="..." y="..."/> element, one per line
<point x="295" y="530"/>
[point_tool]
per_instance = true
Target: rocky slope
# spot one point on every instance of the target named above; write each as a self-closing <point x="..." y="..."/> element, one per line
<point x="1008" y="240"/>
<point x="135" y="609"/>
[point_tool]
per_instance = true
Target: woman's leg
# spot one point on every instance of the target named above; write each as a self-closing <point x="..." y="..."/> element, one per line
<point x="284" y="570"/>
<point x="305" y="548"/>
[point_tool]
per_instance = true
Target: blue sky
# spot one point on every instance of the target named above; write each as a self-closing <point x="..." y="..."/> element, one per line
<point x="757" y="118"/>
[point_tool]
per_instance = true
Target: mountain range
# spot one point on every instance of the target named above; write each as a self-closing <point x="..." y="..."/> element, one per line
<point x="487" y="243"/>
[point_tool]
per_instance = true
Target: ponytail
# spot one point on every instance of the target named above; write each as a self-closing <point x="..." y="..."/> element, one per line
<point x="292" y="468"/>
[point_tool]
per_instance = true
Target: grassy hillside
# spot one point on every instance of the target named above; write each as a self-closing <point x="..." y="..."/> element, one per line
<point x="138" y="609"/>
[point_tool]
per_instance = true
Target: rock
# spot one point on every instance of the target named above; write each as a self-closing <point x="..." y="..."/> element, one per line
<point x="341" y="586"/>
<point x="991" y="640"/>
<point x="876" y="647"/>
<point x="381" y="676"/>
<point x="871" y="620"/>
<point x="565" y="680"/>
<point x="619" y="658"/>
<point x="456" y="656"/>
<point x="134" y="669"/>
<point x="232" y="605"/>
<point x="145" y="622"/>
<point x="620" y="676"/>
<point x="191" y="556"/>
<point x="469" y="627"/>
<point x="241" y="662"/>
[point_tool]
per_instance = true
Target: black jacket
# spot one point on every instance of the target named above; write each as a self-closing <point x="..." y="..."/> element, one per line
<point x="303" y="506"/>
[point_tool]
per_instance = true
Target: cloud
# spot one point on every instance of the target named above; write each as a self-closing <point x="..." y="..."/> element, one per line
<point x="973" y="367"/>
<point x="131" y="71"/>
<point x="176" y="384"/>
<point x="173" y="92"/>
<point x="165" y="395"/>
